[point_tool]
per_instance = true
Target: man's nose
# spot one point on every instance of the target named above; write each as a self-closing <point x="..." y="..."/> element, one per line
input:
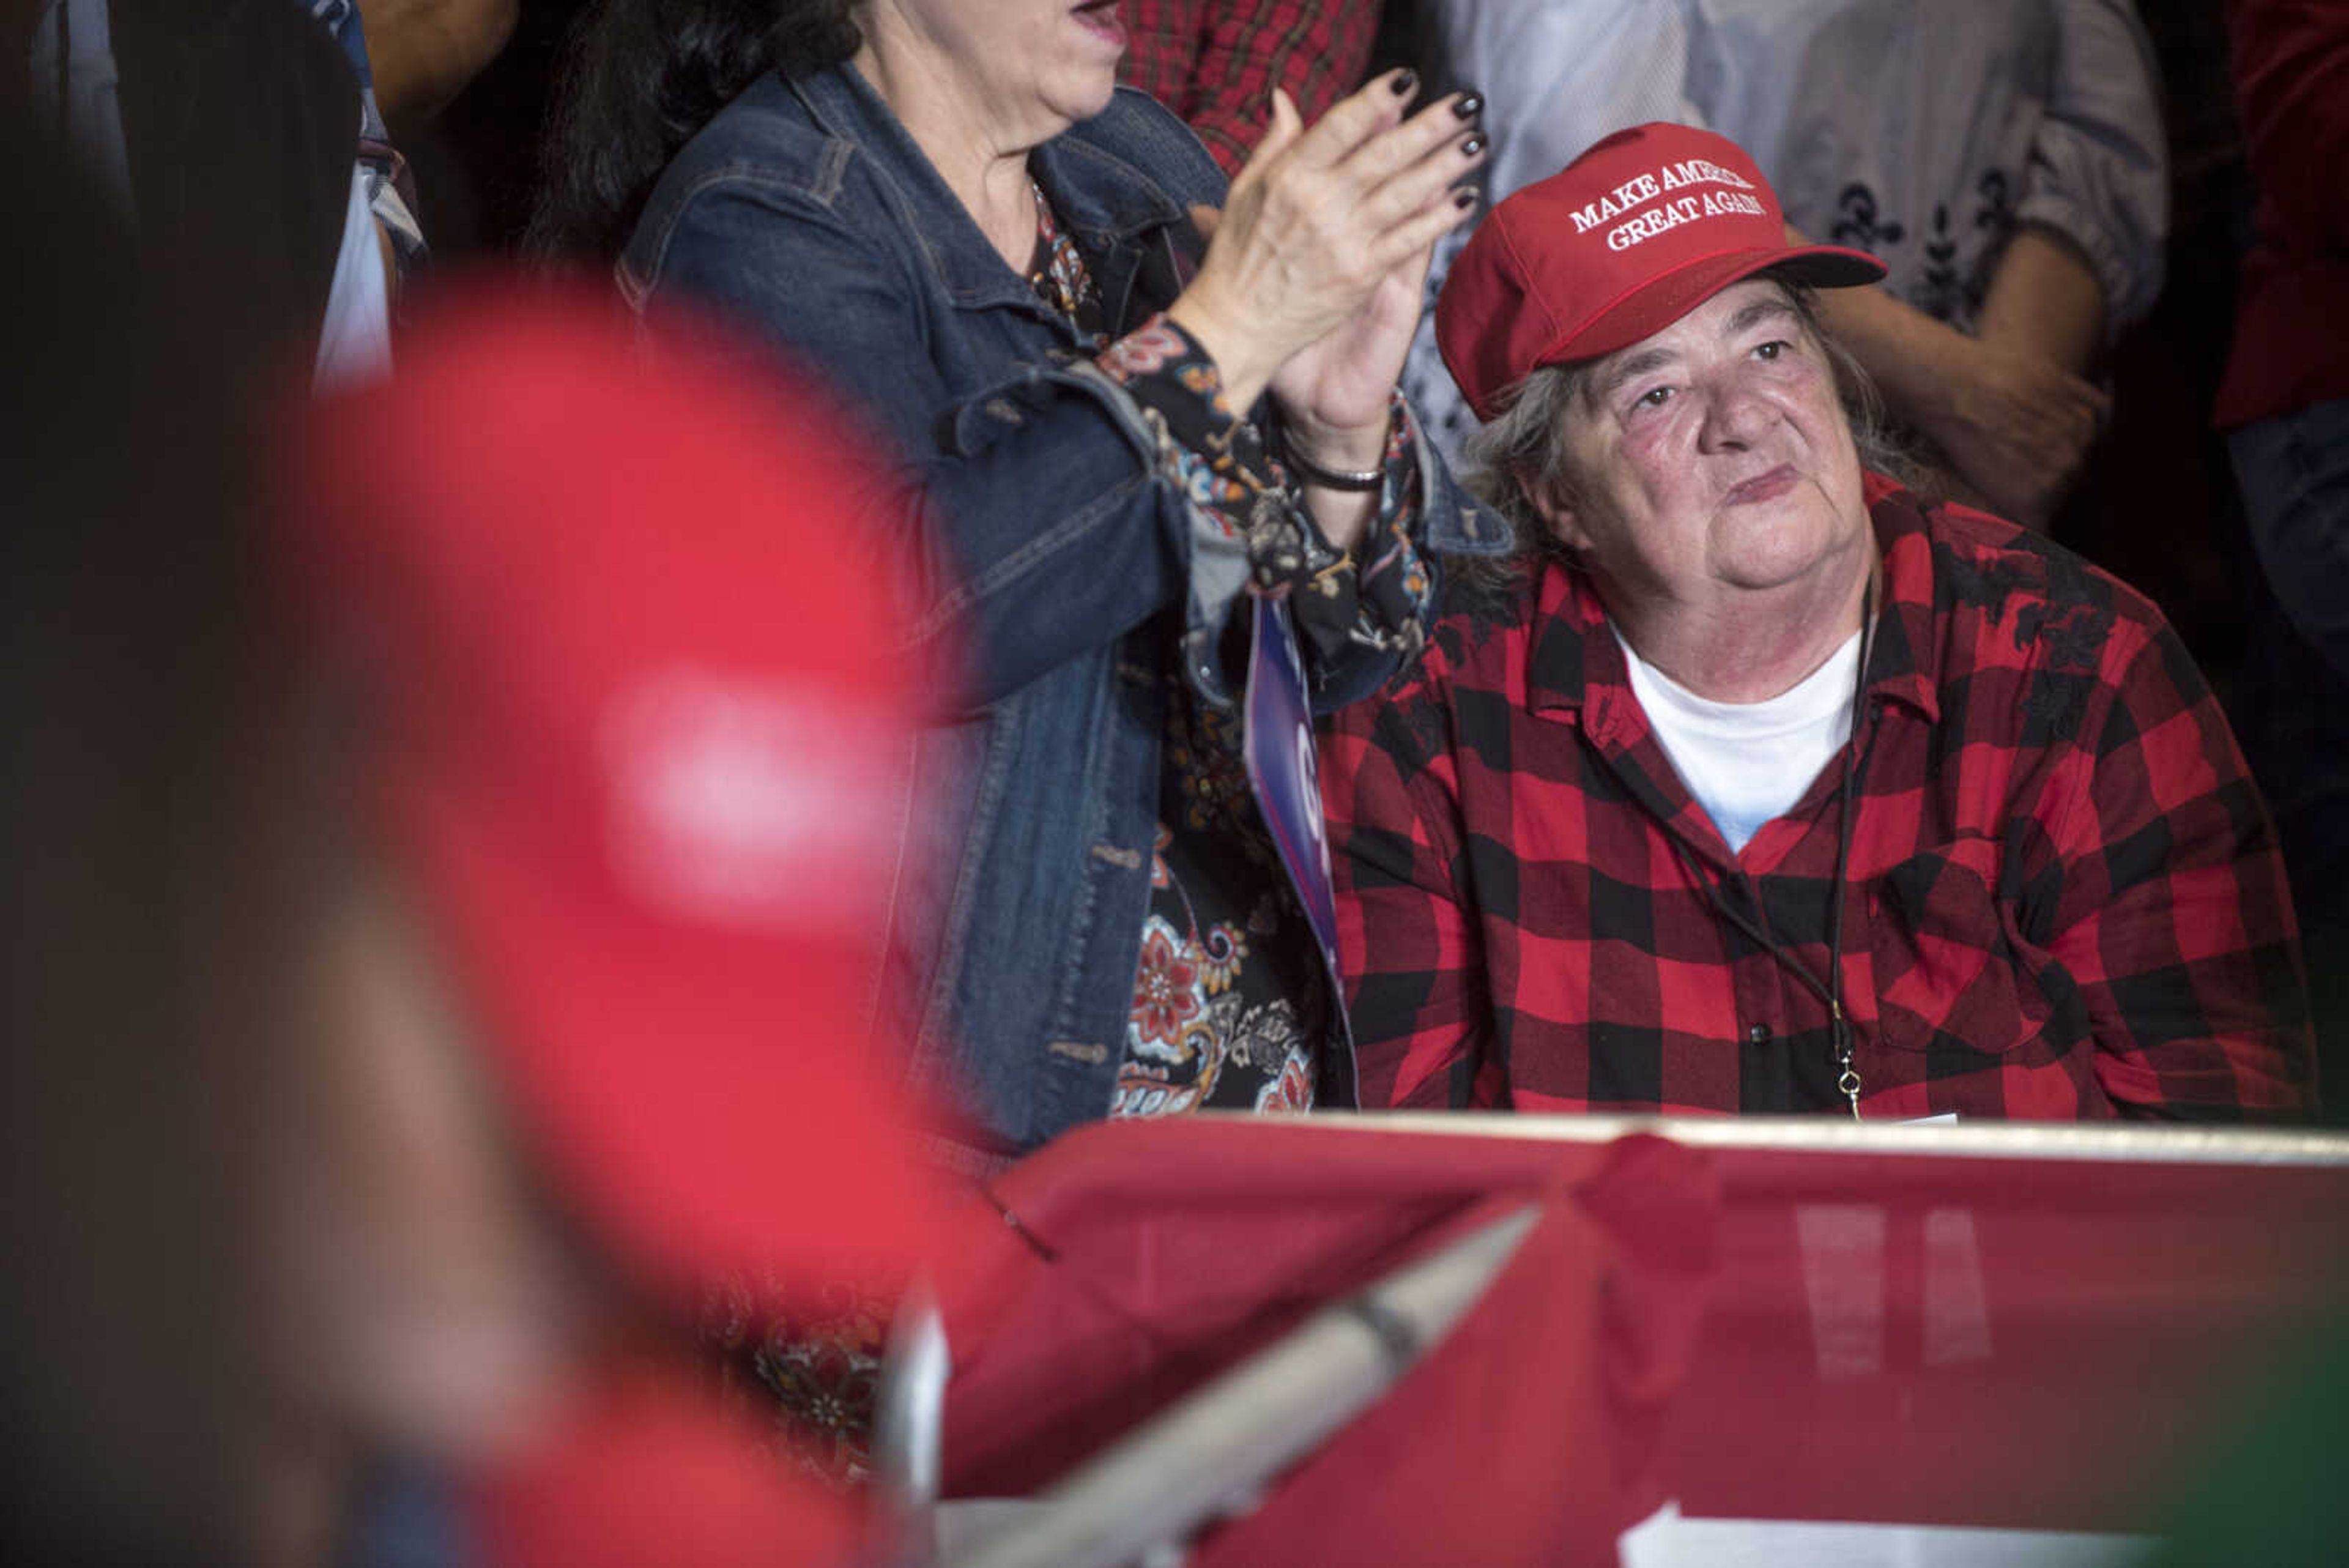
<point x="1735" y="416"/>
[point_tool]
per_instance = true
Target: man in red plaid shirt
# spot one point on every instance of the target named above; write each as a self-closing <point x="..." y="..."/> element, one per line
<point x="1215" y="62"/>
<point x="1761" y="783"/>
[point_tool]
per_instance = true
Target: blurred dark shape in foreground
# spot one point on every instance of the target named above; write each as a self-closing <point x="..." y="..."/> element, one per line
<point x="128" y="1404"/>
<point x="424" y="923"/>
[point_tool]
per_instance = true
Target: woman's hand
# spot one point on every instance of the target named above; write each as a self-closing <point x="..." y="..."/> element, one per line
<point x="1336" y="392"/>
<point x="1337" y="397"/>
<point x="1321" y="246"/>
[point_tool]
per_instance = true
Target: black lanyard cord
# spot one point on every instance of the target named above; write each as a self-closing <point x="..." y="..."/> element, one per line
<point x="1860" y="746"/>
<point x="1857" y="748"/>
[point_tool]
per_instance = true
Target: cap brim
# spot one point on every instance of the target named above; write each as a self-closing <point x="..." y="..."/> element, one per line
<point x="1657" y="303"/>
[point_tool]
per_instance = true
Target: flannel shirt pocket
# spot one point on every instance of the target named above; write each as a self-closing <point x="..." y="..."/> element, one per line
<point x="1945" y="968"/>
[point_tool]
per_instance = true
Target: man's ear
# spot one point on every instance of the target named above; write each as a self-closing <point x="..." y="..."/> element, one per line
<point x="1555" y="506"/>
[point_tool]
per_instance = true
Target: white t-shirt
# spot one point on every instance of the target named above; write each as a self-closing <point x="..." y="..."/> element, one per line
<point x="1747" y="762"/>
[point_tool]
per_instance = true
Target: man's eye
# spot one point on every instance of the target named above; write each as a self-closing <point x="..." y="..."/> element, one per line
<point x="1654" y="398"/>
<point x="1772" y="349"/>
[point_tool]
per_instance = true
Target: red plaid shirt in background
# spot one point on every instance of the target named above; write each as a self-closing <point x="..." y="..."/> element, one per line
<point x="1216" y="64"/>
<point x="2064" y="895"/>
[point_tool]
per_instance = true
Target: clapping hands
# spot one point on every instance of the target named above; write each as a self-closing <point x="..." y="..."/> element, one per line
<point x="1310" y="286"/>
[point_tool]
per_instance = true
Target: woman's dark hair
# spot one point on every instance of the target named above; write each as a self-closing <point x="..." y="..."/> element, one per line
<point x="641" y="78"/>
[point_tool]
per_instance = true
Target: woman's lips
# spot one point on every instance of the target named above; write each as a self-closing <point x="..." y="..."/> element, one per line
<point x="1763" y="486"/>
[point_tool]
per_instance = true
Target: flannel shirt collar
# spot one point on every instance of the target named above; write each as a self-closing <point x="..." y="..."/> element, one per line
<point x="1573" y="662"/>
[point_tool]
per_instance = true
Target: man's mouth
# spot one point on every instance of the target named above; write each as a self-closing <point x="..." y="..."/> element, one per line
<point x="1763" y="486"/>
<point x="1099" y="19"/>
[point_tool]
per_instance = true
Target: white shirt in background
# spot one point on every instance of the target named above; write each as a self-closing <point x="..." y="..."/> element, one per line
<point x="354" y="339"/>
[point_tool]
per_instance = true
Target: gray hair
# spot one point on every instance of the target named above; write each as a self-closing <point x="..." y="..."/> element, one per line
<point x="1517" y="456"/>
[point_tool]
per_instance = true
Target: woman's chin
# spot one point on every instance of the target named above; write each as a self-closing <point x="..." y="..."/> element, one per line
<point x="1087" y="92"/>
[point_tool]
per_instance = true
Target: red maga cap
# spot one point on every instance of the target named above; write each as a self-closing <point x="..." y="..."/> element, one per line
<point x="634" y="735"/>
<point x="1639" y="231"/>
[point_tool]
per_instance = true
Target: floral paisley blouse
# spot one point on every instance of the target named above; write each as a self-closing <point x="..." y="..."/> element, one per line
<point x="1231" y="1007"/>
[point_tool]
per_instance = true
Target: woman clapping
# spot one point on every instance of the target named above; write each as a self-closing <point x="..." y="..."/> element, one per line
<point x="1128" y="407"/>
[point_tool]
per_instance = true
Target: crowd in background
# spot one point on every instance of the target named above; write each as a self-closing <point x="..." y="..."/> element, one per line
<point x="2147" y="157"/>
<point x="2198" y="122"/>
<point x="316" y="736"/>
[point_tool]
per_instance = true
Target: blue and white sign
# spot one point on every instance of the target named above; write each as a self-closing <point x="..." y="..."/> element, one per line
<point x="1278" y="749"/>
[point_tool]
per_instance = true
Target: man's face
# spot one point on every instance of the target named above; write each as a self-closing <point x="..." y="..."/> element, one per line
<point x="1713" y="458"/>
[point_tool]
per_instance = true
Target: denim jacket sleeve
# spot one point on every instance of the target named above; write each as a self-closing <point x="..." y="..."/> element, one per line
<point x="2099" y="164"/>
<point x="1028" y="518"/>
<point x="1024" y="521"/>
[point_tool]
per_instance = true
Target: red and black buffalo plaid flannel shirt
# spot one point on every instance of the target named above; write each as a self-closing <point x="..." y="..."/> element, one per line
<point x="2064" y="897"/>
<point x="1215" y="62"/>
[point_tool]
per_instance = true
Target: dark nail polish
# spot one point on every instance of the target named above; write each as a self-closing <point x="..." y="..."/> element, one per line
<point x="1469" y="105"/>
<point x="1404" y="83"/>
<point x="1472" y="144"/>
<point x="1464" y="198"/>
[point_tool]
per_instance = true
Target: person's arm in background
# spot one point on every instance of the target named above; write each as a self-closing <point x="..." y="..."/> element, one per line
<point x="417" y="55"/>
<point x="2010" y="422"/>
<point x="2046" y="300"/>
<point x="412" y="56"/>
<point x="1215" y="62"/>
<point x="2007" y="410"/>
<point x="2097" y="194"/>
<point x="425" y="51"/>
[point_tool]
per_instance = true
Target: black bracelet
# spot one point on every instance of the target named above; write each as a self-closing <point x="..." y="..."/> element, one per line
<point x="1361" y="481"/>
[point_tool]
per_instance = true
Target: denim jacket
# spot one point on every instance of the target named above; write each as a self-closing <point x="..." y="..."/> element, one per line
<point x="1039" y="545"/>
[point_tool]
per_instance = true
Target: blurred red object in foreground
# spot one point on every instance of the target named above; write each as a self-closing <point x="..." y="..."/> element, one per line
<point x="630" y="742"/>
<point x="637" y="1473"/>
<point x="1990" y="1327"/>
<point x="637" y="736"/>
